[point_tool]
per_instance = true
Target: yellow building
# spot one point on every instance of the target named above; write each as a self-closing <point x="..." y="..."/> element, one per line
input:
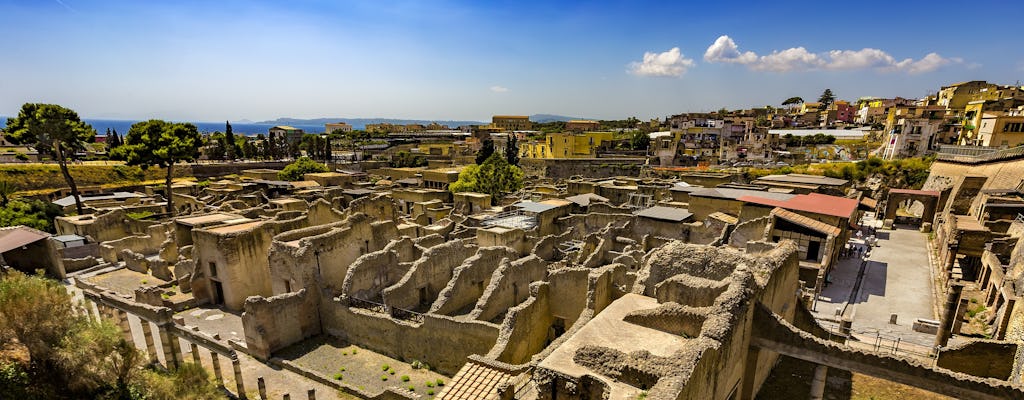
<point x="437" y="149"/>
<point x="566" y="145"/>
<point x="337" y="126"/>
<point x="582" y="125"/>
<point x="512" y="122"/>
<point x="999" y="130"/>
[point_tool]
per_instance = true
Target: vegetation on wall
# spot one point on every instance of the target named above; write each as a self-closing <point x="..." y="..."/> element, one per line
<point x="405" y="159"/>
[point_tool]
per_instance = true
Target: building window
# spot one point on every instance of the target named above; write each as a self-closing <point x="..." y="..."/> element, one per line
<point x="213" y="269"/>
<point x="1014" y="127"/>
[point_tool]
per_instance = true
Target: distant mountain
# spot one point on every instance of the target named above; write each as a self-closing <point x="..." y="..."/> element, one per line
<point x="360" y="123"/>
<point x="543" y="118"/>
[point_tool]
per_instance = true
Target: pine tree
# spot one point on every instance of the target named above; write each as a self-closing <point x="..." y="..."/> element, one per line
<point x="486" y="149"/>
<point x="230" y="147"/>
<point x="512" y="149"/>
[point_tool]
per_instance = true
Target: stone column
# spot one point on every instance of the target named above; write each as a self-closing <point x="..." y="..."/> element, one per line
<point x="949" y="314"/>
<point x="311" y="393"/>
<point x="1004" y="320"/>
<point x="169" y="345"/>
<point x="195" y="354"/>
<point x="239" y="384"/>
<point x="818" y="384"/>
<point x="262" y="387"/>
<point x="147" y="334"/>
<point x="216" y="368"/>
<point x="126" y="328"/>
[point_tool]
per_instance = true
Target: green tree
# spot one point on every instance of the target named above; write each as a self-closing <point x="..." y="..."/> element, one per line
<point x="53" y="130"/>
<point x="486" y="149"/>
<point x="512" y="149"/>
<point x="302" y="166"/>
<point x="248" y="149"/>
<point x="793" y="101"/>
<point x="826" y="98"/>
<point x="640" y="141"/>
<point x="405" y="159"/>
<point x="231" y="150"/>
<point x="157" y="143"/>
<point x="32" y="213"/>
<point x="495" y="176"/>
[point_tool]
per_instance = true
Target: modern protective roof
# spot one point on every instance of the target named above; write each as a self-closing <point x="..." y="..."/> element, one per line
<point x="806" y="222"/>
<point x="814" y="203"/>
<point x="736" y="194"/>
<point x="534" y="207"/>
<point x="68" y="238"/>
<point x="67" y="201"/>
<point x="665" y="213"/>
<point x="585" y="199"/>
<point x="932" y="193"/>
<point x="17" y="236"/>
<point x="803" y="178"/>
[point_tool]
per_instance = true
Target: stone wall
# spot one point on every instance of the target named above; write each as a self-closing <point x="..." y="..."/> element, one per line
<point x="556" y="168"/>
<point x="439" y="341"/>
<point x="469" y="280"/>
<point x="509" y="285"/>
<point x="984" y="358"/>
<point x="276" y="322"/>
<point x="419" y="288"/>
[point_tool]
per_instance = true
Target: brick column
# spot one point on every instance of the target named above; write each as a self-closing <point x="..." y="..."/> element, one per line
<point x="195" y="354"/>
<point x="216" y="368"/>
<point x="239" y="384"/>
<point x="126" y="328"/>
<point x="169" y="345"/>
<point x="147" y="334"/>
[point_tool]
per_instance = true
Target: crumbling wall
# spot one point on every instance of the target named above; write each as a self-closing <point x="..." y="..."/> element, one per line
<point x="440" y="341"/>
<point x="525" y="330"/>
<point x="276" y="322"/>
<point x="106" y="226"/>
<point x="371" y="273"/>
<point x="751" y="230"/>
<point x="147" y="244"/>
<point x="509" y="286"/>
<point x="469" y="280"/>
<point x="984" y="358"/>
<point x="420" y="286"/>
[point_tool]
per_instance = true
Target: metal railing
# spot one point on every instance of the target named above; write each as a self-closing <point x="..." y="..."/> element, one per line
<point x="367" y="305"/>
<point x="408" y="315"/>
<point x="878" y="342"/>
<point x="976" y="154"/>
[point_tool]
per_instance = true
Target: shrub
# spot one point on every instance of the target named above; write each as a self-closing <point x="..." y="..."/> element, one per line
<point x="337" y="377"/>
<point x="416" y="364"/>
<point x="405" y="378"/>
<point x="385" y="367"/>
<point x="430" y="384"/>
<point x="302" y="166"/>
<point x="342" y="369"/>
<point x="412" y="388"/>
<point x="392" y="372"/>
<point x="439" y="382"/>
<point x="430" y="392"/>
<point x="384" y="377"/>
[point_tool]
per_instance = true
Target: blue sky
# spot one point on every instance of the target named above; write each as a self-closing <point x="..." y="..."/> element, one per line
<point x="225" y="59"/>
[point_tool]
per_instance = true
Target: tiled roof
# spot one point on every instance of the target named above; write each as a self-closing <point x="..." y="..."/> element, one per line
<point x="805" y="222"/>
<point x="474" y="382"/>
<point x="814" y="203"/>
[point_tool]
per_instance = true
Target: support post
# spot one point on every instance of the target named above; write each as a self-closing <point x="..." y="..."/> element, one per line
<point x="195" y="353"/>
<point x="126" y="328"/>
<point x="169" y="346"/>
<point x="818" y="384"/>
<point x="216" y="368"/>
<point x="262" y="386"/>
<point x="147" y="335"/>
<point x="311" y="394"/>
<point x="239" y="384"/>
<point x="949" y="314"/>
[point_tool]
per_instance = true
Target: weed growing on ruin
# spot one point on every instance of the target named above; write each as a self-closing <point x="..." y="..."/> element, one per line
<point x="412" y="388"/>
<point x="430" y="384"/>
<point x="430" y="392"/>
<point x="342" y="369"/>
<point x="384" y="378"/>
<point x="405" y="378"/>
<point x="385" y="367"/>
<point x="439" y="382"/>
<point x="337" y="377"/>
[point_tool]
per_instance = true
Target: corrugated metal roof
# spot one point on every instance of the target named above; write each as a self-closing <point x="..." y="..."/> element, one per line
<point x="665" y="213"/>
<point x="67" y="201"/>
<point x="534" y="206"/>
<point x="736" y="194"/>
<point x="814" y="203"/>
<point x="17" y="236"/>
<point x="585" y="199"/>
<point x="804" y="178"/>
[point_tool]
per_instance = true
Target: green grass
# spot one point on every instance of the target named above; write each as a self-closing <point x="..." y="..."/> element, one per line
<point x="30" y="177"/>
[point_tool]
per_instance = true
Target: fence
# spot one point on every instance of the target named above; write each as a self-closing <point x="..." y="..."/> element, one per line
<point x="976" y="154"/>
<point x="878" y="342"/>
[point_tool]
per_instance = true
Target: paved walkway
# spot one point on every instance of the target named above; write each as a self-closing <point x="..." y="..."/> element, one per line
<point x="896" y="280"/>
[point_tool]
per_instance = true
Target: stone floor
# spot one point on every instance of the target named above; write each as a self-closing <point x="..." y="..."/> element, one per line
<point x="125" y="281"/>
<point x="215" y="320"/>
<point x="897" y="279"/>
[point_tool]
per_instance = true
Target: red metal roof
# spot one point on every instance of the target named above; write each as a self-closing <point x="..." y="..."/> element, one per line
<point x="17" y="236"/>
<point x="814" y="203"/>
<point x="918" y="192"/>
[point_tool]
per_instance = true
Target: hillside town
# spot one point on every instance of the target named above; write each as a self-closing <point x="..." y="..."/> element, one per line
<point x="715" y="255"/>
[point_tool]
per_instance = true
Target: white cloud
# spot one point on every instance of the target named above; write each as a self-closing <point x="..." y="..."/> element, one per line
<point x="499" y="89"/>
<point x="669" y="63"/>
<point x="725" y="50"/>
